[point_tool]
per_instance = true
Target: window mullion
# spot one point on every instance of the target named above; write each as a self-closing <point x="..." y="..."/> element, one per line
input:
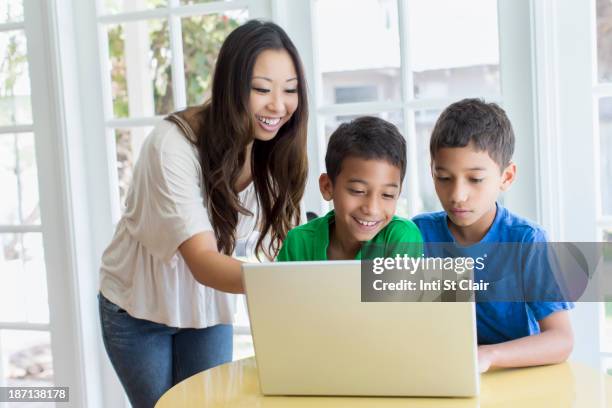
<point x="25" y="326"/>
<point x="210" y="8"/>
<point x="264" y="9"/>
<point x="297" y="18"/>
<point x="358" y="108"/>
<point x="16" y="129"/>
<point x="178" y="67"/>
<point x="105" y="71"/>
<point x="410" y="186"/>
<point x="12" y="26"/>
<point x="2" y="375"/>
<point x="107" y="96"/>
<point x="18" y="174"/>
<point x="317" y="122"/>
<point x="403" y="8"/>
<point x="133" y="16"/>
<point x="599" y="205"/>
<point x="134" y="121"/>
<point x="20" y="229"/>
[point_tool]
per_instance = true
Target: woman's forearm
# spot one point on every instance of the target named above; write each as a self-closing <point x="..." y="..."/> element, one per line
<point x="218" y="271"/>
<point x="209" y="267"/>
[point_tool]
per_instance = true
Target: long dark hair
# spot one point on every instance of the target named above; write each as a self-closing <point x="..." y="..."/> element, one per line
<point x="279" y="167"/>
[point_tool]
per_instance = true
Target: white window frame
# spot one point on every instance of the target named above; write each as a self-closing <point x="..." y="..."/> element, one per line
<point x="174" y="12"/>
<point x="57" y="221"/>
<point x="516" y="86"/>
<point x="19" y="228"/>
<point x="91" y="157"/>
<point x="566" y="98"/>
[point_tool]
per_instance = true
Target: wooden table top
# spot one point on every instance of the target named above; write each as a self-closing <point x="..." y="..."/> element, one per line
<point x="563" y="385"/>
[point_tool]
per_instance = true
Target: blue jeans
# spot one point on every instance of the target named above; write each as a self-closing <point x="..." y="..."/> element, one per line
<point x="150" y="358"/>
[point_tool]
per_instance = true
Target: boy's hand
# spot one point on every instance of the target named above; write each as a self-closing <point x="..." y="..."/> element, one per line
<point x="485" y="358"/>
<point x="551" y="346"/>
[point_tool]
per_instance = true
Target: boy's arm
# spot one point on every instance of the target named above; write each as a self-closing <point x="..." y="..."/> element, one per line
<point x="552" y="345"/>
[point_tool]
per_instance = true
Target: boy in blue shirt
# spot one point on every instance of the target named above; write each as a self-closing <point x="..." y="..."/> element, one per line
<point x="471" y="150"/>
<point x="366" y="163"/>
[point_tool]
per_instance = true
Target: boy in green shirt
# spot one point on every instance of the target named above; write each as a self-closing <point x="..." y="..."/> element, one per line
<point x="366" y="164"/>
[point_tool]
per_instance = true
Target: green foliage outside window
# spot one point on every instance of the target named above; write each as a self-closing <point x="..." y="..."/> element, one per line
<point x="118" y="71"/>
<point x="202" y="37"/>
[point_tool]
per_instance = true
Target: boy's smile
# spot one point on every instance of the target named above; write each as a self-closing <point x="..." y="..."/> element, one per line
<point x="468" y="183"/>
<point x="365" y="195"/>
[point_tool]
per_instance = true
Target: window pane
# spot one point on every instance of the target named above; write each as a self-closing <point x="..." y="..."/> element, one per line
<point x="607" y="327"/>
<point x="26" y="360"/>
<point x="243" y="343"/>
<point x="332" y="122"/>
<point x="141" y="77"/>
<point x="128" y="143"/>
<point x="425" y="121"/>
<point x="28" y="180"/>
<point x="445" y="61"/>
<point x="359" y="62"/>
<point x="605" y="137"/>
<point x="243" y="346"/>
<point x="121" y="6"/>
<point x="185" y="2"/>
<point x="606" y="365"/>
<point x="9" y="205"/>
<point x="606" y="236"/>
<point x="19" y="178"/>
<point x="11" y="11"/>
<point x="15" y="106"/>
<point x="202" y="39"/>
<point x="23" y="279"/>
<point x="604" y="39"/>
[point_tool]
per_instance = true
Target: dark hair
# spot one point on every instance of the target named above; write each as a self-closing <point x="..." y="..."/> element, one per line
<point x="483" y="124"/>
<point x="367" y="137"/>
<point x="279" y="166"/>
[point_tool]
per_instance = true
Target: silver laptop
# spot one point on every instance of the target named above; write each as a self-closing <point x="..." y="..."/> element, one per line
<point x="314" y="336"/>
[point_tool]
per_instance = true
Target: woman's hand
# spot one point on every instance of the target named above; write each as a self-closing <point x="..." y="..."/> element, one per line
<point x="209" y="267"/>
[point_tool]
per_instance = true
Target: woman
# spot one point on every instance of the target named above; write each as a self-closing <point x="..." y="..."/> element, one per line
<point x="206" y="177"/>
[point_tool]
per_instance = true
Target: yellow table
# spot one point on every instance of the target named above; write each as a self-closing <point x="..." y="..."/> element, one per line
<point x="563" y="385"/>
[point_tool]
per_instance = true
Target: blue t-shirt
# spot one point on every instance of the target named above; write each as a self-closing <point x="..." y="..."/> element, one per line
<point x="501" y="321"/>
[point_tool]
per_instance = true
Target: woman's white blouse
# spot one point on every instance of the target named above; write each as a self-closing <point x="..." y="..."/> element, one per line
<point x="142" y="271"/>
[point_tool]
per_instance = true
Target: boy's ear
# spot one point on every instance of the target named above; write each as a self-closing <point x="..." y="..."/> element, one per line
<point x="508" y="176"/>
<point x="326" y="186"/>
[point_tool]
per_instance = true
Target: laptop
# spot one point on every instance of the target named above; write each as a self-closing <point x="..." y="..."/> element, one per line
<point x="314" y="336"/>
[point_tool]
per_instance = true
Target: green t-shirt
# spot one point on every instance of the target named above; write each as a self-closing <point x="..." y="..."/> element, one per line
<point x="309" y="242"/>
